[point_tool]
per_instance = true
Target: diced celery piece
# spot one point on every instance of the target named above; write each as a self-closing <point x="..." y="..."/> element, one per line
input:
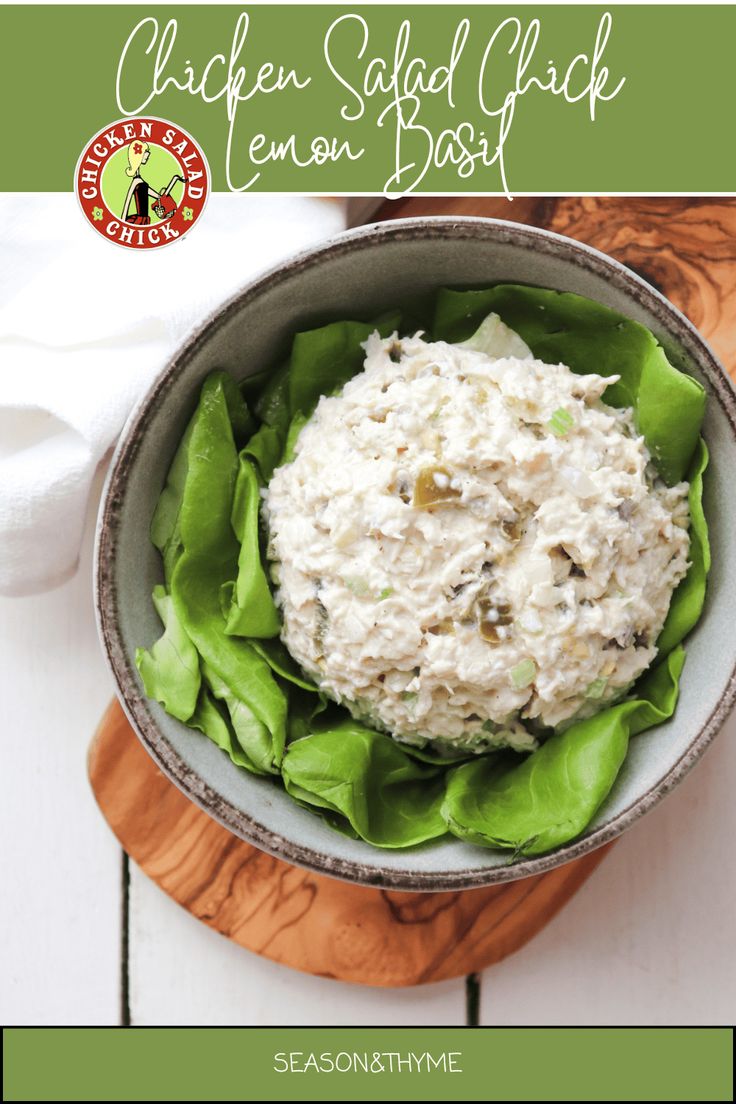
<point x="560" y="422"/>
<point x="523" y="673"/>
<point x="357" y="585"/>
<point x="596" y="688"/>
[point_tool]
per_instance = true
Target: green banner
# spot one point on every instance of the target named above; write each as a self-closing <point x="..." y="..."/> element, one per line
<point x="368" y="1064"/>
<point x="391" y="99"/>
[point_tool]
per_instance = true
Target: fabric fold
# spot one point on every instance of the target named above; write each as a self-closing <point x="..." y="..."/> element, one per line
<point x="84" y="329"/>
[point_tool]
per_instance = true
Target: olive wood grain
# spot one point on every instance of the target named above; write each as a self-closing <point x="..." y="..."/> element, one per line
<point x="685" y="246"/>
<point x="300" y="919"/>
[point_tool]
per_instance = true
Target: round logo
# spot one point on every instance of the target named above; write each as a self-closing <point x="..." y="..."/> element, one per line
<point x="142" y="182"/>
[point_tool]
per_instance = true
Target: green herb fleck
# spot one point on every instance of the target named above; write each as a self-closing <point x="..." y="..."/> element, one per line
<point x="560" y="422"/>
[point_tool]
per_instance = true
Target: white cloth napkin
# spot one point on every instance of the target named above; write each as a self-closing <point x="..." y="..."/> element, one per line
<point x="84" y="328"/>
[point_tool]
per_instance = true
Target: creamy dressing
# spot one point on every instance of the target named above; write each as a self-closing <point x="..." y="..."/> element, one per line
<point x="471" y="547"/>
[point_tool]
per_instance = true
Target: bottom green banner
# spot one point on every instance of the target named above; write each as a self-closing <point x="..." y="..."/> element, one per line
<point x="293" y="1063"/>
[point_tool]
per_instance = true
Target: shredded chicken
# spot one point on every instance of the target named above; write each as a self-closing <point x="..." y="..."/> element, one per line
<point x="469" y="548"/>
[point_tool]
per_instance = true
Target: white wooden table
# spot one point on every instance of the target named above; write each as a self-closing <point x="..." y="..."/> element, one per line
<point x="648" y="940"/>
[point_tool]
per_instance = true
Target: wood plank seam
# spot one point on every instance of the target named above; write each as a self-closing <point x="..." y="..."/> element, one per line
<point x="295" y="917"/>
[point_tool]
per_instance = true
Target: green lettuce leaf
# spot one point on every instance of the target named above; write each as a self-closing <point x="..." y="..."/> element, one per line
<point x="265" y="448"/>
<point x="253" y="611"/>
<point x="251" y="735"/>
<point x="170" y="670"/>
<point x="552" y="795"/>
<point x="165" y="533"/>
<point x="387" y="798"/>
<point x="273" y="405"/>
<point x="308" y="714"/>
<point x="296" y="425"/>
<point x="688" y="599"/>
<point x="209" y="719"/>
<point x="323" y="360"/>
<point x="281" y="663"/>
<point x="209" y="559"/>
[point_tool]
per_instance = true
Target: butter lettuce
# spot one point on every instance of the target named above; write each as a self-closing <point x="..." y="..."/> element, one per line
<point x="220" y="667"/>
<point x="371" y="786"/>
<point x="170" y="671"/>
<point x="549" y="797"/>
<point x="252" y="611"/>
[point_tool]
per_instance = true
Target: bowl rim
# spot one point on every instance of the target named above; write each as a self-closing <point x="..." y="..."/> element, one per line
<point x="135" y="705"/>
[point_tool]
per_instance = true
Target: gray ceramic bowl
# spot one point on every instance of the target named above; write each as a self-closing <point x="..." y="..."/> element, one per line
<point x="359" y="274"/>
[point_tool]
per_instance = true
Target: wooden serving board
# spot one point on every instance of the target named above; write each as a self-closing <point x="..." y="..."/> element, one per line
<point x="687" y="248"/>
<point x="684" y="246"/>
<point x="300" y="919"/>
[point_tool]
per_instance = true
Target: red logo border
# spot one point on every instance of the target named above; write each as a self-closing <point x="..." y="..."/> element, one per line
<point x="108" y="224"/>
